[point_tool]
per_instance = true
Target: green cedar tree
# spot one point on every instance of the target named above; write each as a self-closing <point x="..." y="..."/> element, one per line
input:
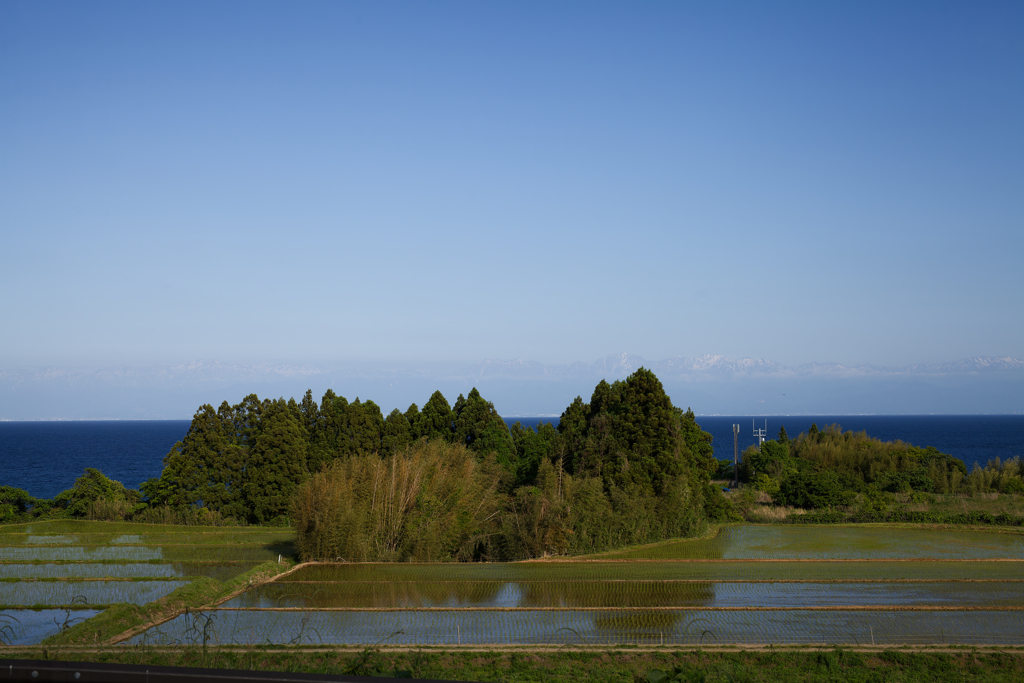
<point x="436" y="419"/>
<point x="397" y="433"/>
<point x="277" y="463"/>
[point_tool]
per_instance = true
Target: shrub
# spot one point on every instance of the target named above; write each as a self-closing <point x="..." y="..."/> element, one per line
<point x="14" y="503"/>
<point x="717" y="507"/>
<point x="435" y="501"/>
<point x="821" y="490"/>
<point x="93" y="486"/>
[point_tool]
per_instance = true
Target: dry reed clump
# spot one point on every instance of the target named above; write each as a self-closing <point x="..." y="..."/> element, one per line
<point x="773" y="513"/>
<point x="434" y="501"/>
<point x="106" y="510"/>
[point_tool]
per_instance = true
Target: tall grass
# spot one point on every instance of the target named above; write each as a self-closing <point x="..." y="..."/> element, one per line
<point x="434" y="501"/>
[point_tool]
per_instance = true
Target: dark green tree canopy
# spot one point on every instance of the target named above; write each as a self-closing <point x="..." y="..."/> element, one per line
<point x="479" y="427"/>
<point x="207" y="468"/>
<point x="397" y="432"/>
<point x="277" y="463"/>
<point x="632" y="462"/>
<point x="92" y="486"/>
<point x="14" y="502"/>
<point x="436" y="420"/>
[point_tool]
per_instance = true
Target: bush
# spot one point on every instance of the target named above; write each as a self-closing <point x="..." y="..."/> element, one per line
<point x="432" y="502"/>
<point x="14" y="503"/>
<point x="821" y="490"/>
<point x="717" y="507"/>
<point x="93" y="486"/>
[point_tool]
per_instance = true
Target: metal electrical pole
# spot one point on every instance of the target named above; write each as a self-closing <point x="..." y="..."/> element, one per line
<point x="735" y="455"/>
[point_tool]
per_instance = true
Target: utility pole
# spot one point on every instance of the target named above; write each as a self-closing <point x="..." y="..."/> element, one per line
<point x="735" y="455"/>
<point x="760" y="433"/>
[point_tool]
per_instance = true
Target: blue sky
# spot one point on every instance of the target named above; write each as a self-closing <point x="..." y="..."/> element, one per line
<point x="389" y="182"/>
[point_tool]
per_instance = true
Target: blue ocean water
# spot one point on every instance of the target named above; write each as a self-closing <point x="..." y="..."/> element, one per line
<point x="44" y="458"/>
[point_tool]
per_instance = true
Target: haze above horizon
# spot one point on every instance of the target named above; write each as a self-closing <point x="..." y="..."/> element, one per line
<point x="406" y="182"/>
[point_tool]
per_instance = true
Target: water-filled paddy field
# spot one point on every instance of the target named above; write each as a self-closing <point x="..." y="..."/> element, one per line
<point x="868" y="542"/>
<point x="64" y="570"/>
<point x="541" y="595"/>
<point x="594" y="627"/>
<point x="27" y="627"/>
<point x="28" y="593"/>
<point x="118" y="570"/>
<point x="747" y="584"/>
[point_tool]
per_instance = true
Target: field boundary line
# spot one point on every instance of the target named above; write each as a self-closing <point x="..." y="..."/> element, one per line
<point x="681" y="608"/>
<point x="69" y="580"/>
<point x="164" y="617"/>
<point x="631" y="560"/>
<point x="125" y="545"/>
<point x="714" y="531"/>
<point x="250" y="586"/>
<point x="125" y="563"/>
<point x="562" y="581"/>
<point x="747" y="560"/>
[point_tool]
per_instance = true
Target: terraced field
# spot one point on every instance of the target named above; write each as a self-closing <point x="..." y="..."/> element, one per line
<point x="834" y="542"/>
<point x="448" y="627"/>
<point x="56" y="574"/>
<point x="749" y="584"/>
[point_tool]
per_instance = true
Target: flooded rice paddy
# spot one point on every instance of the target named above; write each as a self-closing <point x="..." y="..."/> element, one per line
<point x="748" y="584"/>
<point x="62" y="569"/>
<point x="80" y="593"/>
<point x="778" y="542"/>
<point x="593" y="627"/>
<point x="569" y="595"/>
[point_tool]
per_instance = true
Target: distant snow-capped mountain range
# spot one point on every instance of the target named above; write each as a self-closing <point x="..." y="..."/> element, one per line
<point x="612" y="366"/>
<point x="711" y="366"/>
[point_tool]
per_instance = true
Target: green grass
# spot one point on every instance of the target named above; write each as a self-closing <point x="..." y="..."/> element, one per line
<point x="659" y="571"/>
<point x="119" y="570"/>
<point x="851" y="542"/>
<point x="124" y="617"/>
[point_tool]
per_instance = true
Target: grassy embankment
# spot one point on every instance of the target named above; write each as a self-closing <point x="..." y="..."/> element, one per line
<point x="122" y="621"/>
<point x="532" y="663"/>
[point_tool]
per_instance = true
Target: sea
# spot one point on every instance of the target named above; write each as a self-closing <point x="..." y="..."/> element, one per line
<point x="45" y="458"/>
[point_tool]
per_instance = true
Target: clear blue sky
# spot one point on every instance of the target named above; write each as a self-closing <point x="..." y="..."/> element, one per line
<point x="434" y="181"/>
